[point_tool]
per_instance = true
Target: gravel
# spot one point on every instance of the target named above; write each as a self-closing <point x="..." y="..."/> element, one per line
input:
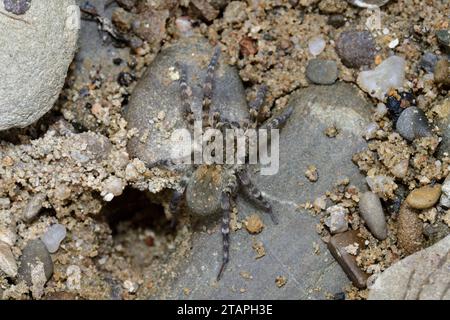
<point x="390" y="74"/>
<point x="356" y="48"/>
<point x="373" y="215"/>
<point x="413" y="124"/>
<point x="322" y="71"/>
<point x="53" y="237"/>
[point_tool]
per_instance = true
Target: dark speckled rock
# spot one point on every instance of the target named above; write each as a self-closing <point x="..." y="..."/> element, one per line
<point x="34" y="252"/>
<point x="412" y="124"/>
<point x="356" y="48"/>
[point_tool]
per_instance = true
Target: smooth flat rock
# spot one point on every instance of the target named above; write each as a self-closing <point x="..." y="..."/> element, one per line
<point x="289" y="246"/>
<point x="422" y="276"/>
<point x="36" y="50"/>
<point x="155" y="108"/>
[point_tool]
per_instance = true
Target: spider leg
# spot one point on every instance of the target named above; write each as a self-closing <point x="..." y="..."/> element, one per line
<point x="226" y="209"/>
<point x="278" y="121"/>
<point x="208" y="86"/>
<point x="255" y="194"/>
<point x="255" y="105"/>
<point x="225" y="205"/>
<point x="185" y="94"/>
<point x="174" y="206"/>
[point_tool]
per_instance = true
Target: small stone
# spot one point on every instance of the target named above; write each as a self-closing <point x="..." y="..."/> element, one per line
<point x="428" y="62"/>
<point x="253" y="224"/>
<point x="8" y="234"/>
<point x="316" y="45"/>
<point x="337" y="245"/>
<point x="235" y="12"/>
<point x="33" y="206"/>
<point x="122" y="19"/>
<point x="7" y="262"/>
<point x="409" y="229"/>
<point x="443" y="37"/>
<point x="206" y="10"/>
<point x="368" y="3"/>
<point x="373" y="215"/>
<point x="312" y="174"/>
<point x="53" y="237"/>
<point x="322" y="71"/>
<point x="445" y="197"/>
<point x="35" y="257"/>
<point x="371" y="131"/>
<point x="336" y="20"/>
<point x="441" y="72"/>
<point x="337" y="222"/>
<point x="17" y="7"/>
<point x="73" y="274"/>
<point x="413" y="123"/>
<point x="424" y="197"/>
<point x="130" y="286"/>
<point x="114" y="186"/>
<point x="390" y="74"/>
<point x="280" y="281"/>
<point x="356" y="48"/>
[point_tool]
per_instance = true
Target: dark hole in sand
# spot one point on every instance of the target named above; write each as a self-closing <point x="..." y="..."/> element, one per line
<point x="134" y="210"/>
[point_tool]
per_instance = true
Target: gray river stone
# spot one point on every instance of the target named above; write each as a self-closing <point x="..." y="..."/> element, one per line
<point x="155" y="108"/>
<point x="290" y="245"/>
<point x="422" y="276"/>
<point x="36" y="50"/>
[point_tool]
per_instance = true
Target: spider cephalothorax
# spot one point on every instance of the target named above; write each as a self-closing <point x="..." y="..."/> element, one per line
<point x="222" y="181"/>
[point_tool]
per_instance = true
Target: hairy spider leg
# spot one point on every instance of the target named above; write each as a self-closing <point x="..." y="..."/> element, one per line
<point x="208" y="88"/>
<point x="255" y="194"/>
<point x="185" y="94"/>
<point x="225" y="206"/>
<point x="257" y="103"/>
<point x="278" y="121"/>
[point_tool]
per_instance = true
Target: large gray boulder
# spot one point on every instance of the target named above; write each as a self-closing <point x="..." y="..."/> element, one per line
<point x="291" y="246"/>
<point x="422" y="276"/>
<point x="35" y="53"/>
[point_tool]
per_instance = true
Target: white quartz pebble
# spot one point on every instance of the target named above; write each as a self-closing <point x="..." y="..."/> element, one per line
<point x="390" y="74"/>
<point x="53" y="237"/>
<point x="316" y="45"/>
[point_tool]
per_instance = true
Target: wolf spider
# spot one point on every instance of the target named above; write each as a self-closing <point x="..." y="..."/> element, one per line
<point x="236" y="174"/>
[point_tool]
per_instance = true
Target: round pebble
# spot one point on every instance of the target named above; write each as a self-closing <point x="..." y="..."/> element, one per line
<point x="316" y="45"/>
<point x="356" y="48"/>
<point x="409" y="229"/>
<point x="53" y="237"/>
<point x="413" y="123"/>
<point x="424" y="197"/>
<point x="428" y="62"/>
<point x="322" y="71"/>
<point x="33" y="206"/>
<point x="373" y="215"/>
<point x="35" y="252"/>
<point x="337" y="222"/>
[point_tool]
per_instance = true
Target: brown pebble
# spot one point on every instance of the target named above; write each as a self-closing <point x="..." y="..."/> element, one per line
<point x="441" y="72"/>
<point x="424" y="197"/>
<point x="247" y="46"/>
<point x="254" y="224"/>
<point x="337" y="246"/>
<point x="409" y="229"/>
